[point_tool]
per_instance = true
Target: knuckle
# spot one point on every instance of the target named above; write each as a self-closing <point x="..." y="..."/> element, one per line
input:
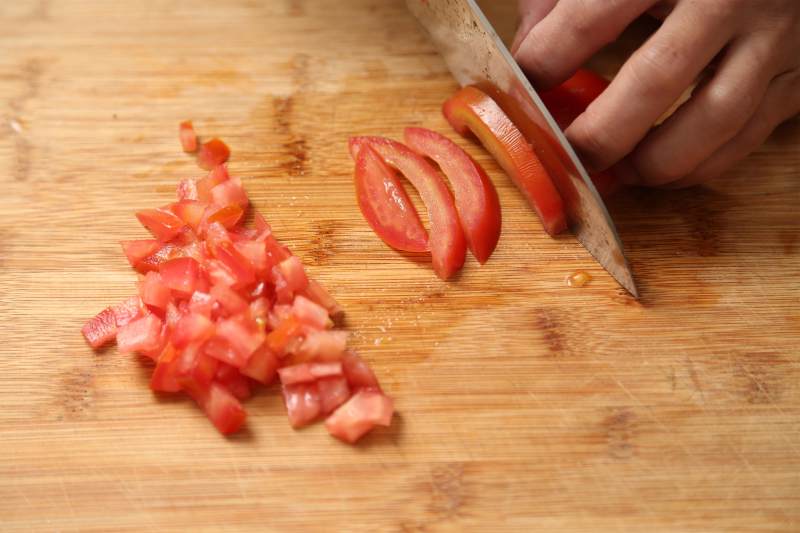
<point x="730" y="107"/>
<point x="652" y="67"/>
<point x="594" y="141"/>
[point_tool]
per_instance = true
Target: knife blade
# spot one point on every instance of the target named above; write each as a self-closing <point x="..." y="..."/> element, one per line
<point x="475" y="55"/>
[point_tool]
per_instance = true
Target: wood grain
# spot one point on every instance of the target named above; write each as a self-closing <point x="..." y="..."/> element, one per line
<point x="523" y="404"/>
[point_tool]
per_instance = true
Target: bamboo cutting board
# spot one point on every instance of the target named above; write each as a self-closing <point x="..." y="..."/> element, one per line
<point x="523" y="404"/>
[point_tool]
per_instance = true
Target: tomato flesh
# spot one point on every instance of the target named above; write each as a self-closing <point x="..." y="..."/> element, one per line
<point x="476" y="198"/>
<point x="212" y="154"/>
<point x="358" y="415"/>
<point x="188" y="136"/>
<point x="447" y="242"/>
<point x="101" y="329"/>
<point x="162" y="224"/>
<point x="470" y="109"/>
<point x="385" y="204"/>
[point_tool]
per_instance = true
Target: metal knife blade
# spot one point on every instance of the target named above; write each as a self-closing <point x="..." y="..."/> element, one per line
<point x="476" y="56"/>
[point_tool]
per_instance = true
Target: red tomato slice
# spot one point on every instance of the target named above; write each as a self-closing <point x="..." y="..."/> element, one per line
<point x="188" y="136"/>
<point x="470" y="109"/>
<point x="333" y="392"/>
<point x="153" y="292"/>
<point x="212" y="153"/>
<point x="385" y="205"/>
<point x="568" y="100"/>
<point x="162" y="224"/>
<point x="476" y="198"/>
<point x="181" y="275"/>
<point x="100" y="329"/>
<point x="223" y="409"/>
<point x="217" y="175"/>
<point x="307" y="372"/>
<point x="187" y="189"/>
<point x="142" y="334"/>
<point x="358" y="415"/>
<point x="303" y="404"/>
<point x="447" y="242"/>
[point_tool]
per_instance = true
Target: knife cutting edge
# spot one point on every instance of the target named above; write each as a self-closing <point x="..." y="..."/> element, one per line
<point x="476" y="56"/>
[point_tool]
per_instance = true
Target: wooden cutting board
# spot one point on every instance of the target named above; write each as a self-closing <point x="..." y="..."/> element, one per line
<point x="523" y="404"/>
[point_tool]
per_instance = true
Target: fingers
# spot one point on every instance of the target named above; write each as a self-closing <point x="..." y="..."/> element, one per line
<point x="530" y="13"/>
<point x="781" y="102"/>
<point x="648" y="83"/>
<point x="570" y="33"/>
<point x="714" y="114"/>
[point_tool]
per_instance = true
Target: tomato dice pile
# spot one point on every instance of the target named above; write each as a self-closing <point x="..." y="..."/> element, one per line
<point x="222" y="307"/>
<point x="472" y="219"/>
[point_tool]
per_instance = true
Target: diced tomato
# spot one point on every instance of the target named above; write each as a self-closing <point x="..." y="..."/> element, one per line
<point x="162" y="224"/>
<point x="470" y="109"/>
<point x="228" y="216"/>
<point x="385" y="204"/>
<point x="217" y="175"/>
<point x="100" y="329"/>
<point x="164" y="378"/>
<point x="278" y="314"/>
<point x="317" y="293"/>
<point x="333" y="392"/>
<point x="259" y="309"/>
<point x="154" y="292"/>
<point x="358" y="415"/>
<point x="229" y="299"/>
<point x="223" y="409"/>
<point x="310" y="313"/>
<point x="477" y="202"/>
<point x="192" y="327"/>
<point x="127" y="310"/>
<point x="261" y="366"/>
<point x="280" y="337"/>
<point x="188" y="136"/>
<point x="447" y="242"/>
<point x="242" y="335"/>
<point x="180" y="275"/>
<point x="158" y="344"/>
<point x="255" y="253"/>
<point x="305" y="372"/>
<point x="173" y="314"/>
<point x="229" y="377"/>
<point x="201" y="303"/>
<point x="359" y="375"/>
<point x="187" y="189"/>
<point x="323" y="345"/>
<point x="138" y="251"/>
<point x="219" y="274"/>
<point x="238" y="266"/>
<point x="303" y="404"/>
<point x="230" y="192"/>
<point x="221" y="350"/>
<point x="196" y="369"/>
<point x="190" y="211"/>
<point x="142" y="334"/>
<point x="212" y="153"/>
<point x="165" y="253"/>
<point x="294" y="274"/>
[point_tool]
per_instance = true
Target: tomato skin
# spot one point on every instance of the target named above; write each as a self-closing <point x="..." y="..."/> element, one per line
<point x="188" y="136"/>
<point x="101" y="329"/>
<point x="212" y="154"/>
<point x="358" y="373"/>
<point x="385" y="204"/>
<point x="447" y="242"/>
<point x="476" y="198"/>
<point x="470" y="109"/>
<point x="319" y="294"/>
<point x="228" y="216"/>
<point x="358" y="415"/>
<point x="164" y="225"/>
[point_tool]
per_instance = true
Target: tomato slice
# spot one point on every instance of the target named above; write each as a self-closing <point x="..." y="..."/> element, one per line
<point x="447" y="242"/>
<point x="385" y="205"/>
<point x="188" y="136"/>
<point x="470" y="109"/>
<point x="162" y="224"/>
<point x="358" y="415"/>
<point x="476" y="198"/>
<point x="212" y="153"/>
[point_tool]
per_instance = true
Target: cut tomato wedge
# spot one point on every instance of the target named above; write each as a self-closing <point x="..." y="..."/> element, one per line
<point x="162" y="224"/>
<point x="212" y="153"/>
<point x="385" y="205"/>
<point x="447" y="242"/>
<point x="188" y="136"/>
<point x="223" y="409"/>
<point x="470" y="109"/>
<point x="476" y="198"/>
<point x="363" y="411"/>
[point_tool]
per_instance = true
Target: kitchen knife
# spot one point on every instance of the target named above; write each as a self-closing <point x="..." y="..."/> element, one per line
<point x="476" y="56"/>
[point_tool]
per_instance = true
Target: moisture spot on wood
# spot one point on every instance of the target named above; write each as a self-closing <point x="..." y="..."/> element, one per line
<point x="322" y="243"/>
<point x="75" y="394"/>
<point x="546" y="322"/>
<point x="447" y="490"/>
<point x="620" y="428"/>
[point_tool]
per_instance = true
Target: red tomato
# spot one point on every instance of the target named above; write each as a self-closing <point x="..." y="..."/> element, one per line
<point x="359" y="375"/>
<point x="229" y="299"/>
<point x="164" y="378"/>
<point x="476" y="198"/>
<point x="447" y="242"/>
<point x="333" y="392"/>
<point x="303" y="404"/>
<point x="256" y="254"/>
<point x="229" y="377"/>
<point x="363" y="411"/>
<point x="192" y="327"/>
<point x="142" y="334"/>
<point x="180" y="275"/>
<point x="190" y="211"/>
<point x="230" y="192"/>
<point x="228" y="216"/>
<point x="261" y="366"/>
<point x="153" y="292"/>
<point x="162" y="224"/>
<point x="572" y="97"/>
<point x="217" y="175"/>
<point x="138" y="251"/>
<point x="242" y="335"/>
<point x="202" y="303"/>
<point x="188" y="136"/>
<point x="306" y="372"/>
<point x="294" y="274"/>
<point x="187" y="189"/>
<point x="310" y="313"/>
<point x="223" y="409"/>
<point x="470" y="109"/>
<point x="386" y="206"/>
<point x="101" y="329"/>
<point x="324" y="345"/>
<point x="212" y="153"/>
<point x="126" y="311"/>
<point x="237" y="265"/>
<point x="317" y="293"/>
<point x="279" y="338"/>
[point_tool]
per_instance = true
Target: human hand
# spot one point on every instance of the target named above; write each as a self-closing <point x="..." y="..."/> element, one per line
<point x="754" y="87"/>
